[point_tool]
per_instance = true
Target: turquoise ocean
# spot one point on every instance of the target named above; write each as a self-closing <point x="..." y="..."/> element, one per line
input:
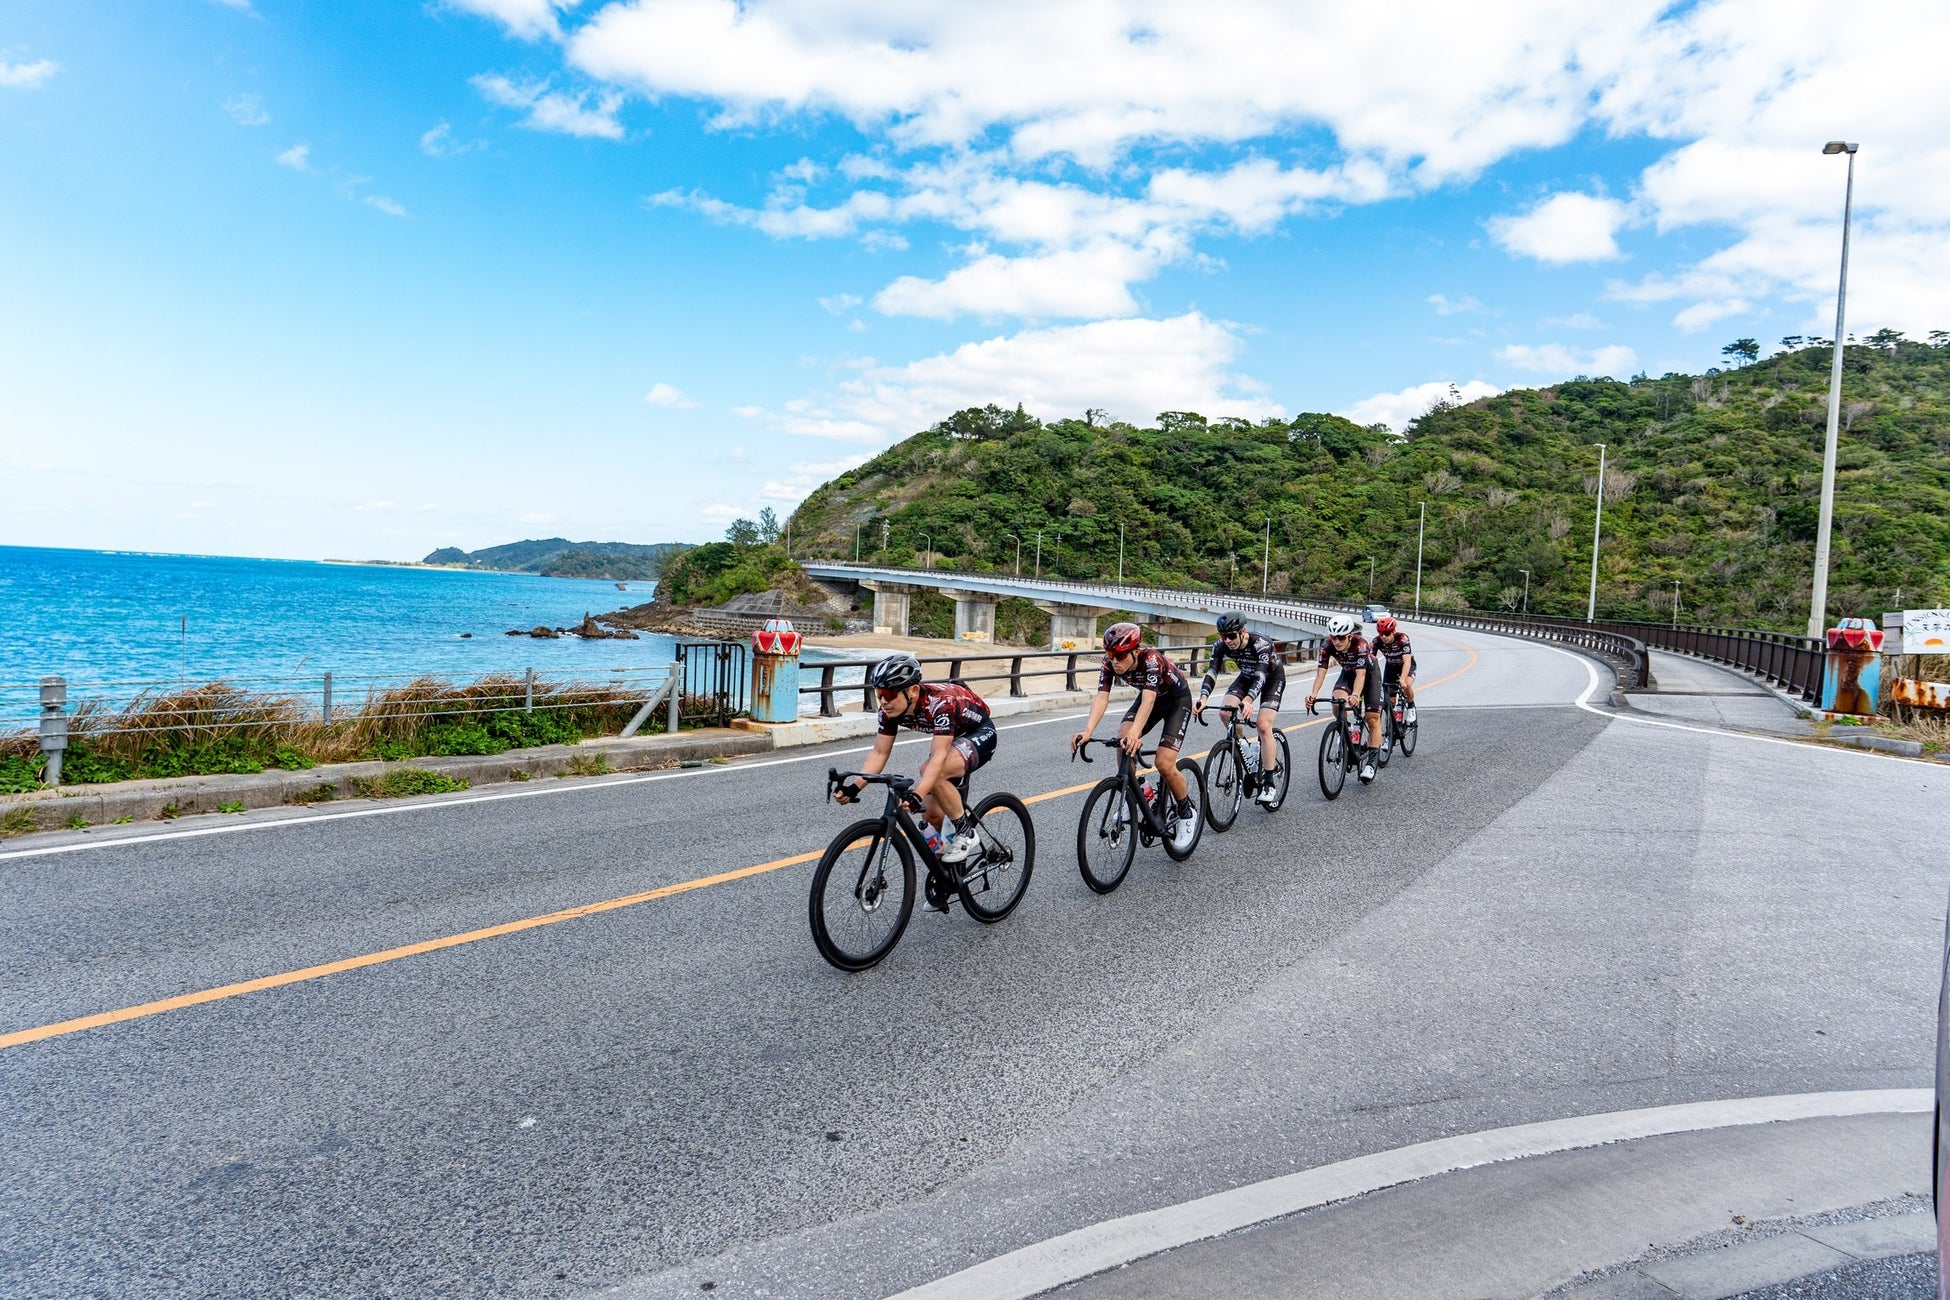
<point x="109" y="621"/>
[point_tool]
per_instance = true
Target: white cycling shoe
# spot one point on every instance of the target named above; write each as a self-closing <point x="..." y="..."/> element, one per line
<point x="1367" y="770"/>
<point x="957" y="847"/>
<point x="1181" y="834"/>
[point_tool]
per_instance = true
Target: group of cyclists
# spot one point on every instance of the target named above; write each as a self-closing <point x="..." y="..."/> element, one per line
<point x="964" y="737"/>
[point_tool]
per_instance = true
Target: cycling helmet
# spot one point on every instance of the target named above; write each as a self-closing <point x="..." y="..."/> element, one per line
<point x="1385" y="625"/>
<point x="1120" y="638"/>
<point x="1230" y="623"/>
<point x="1341" y="625"/>
<point x="896" y="672"/>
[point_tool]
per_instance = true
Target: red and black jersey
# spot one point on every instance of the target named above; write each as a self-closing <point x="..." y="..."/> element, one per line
<point x="941" y="709"/>
<point x="1151" y="670"/>
<point x="1394" y="651"/>
<point x="1356" y="655"/>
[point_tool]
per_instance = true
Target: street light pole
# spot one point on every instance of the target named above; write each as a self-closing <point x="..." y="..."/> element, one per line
<point x="856" y="543"/>
<point x="1371" y="577"/>
<point x="1039" y="552"/>
<point x="1018" y="542"/>
<point x="927" y="555"/>
<point x="1526" y="589"/>
<point x="1597" y="529"/>
<point x="1266" y="560"/>
<point x="1419" y="529"/>
<point x="1120" y="555"/>
<point x="1675" y="602"/>
<point x="1818" y="604"/>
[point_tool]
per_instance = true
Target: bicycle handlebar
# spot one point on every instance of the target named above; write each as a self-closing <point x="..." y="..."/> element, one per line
<point x="836" y="778"/>
<point x="1083" y="751"/>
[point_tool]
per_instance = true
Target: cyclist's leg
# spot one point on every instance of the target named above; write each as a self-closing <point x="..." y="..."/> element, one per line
<point x="1371" y="689"/>
<point x="1173" y="718"/>
<point x="944" y="800"/>
<point x="1271" y="693"/>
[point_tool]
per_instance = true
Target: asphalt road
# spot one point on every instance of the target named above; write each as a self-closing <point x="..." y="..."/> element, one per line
<point x="1545" y="912"/>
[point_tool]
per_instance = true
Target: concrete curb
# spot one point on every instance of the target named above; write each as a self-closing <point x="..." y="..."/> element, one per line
<point x="171" y="797"/>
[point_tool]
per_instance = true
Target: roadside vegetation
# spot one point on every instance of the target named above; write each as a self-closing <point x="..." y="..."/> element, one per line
<point x="218" y="728"/>
<point x="1711" y="480"/>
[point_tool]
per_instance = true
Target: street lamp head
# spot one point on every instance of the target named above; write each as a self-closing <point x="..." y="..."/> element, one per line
<point x="1838" y="146"/>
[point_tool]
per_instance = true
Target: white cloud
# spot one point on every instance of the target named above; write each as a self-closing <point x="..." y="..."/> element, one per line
<point x="721" y="512"/>
<point x="440" y="142"/>
<point x="297" y="158"/>
<point x="1564" y="228"/>
<point x="1396" y="409"/>
<point x="1088" y="282"/>
<point x="802" y="478"/>
<point x="1616" y="360"/>
<point x="526" y="19"/>
<point x="1446" y="306"/>
<point x="1701" y="314"/>
<point x="552" y="110"/>
<point x="1135" y="367"/>
<point x="27" y="76"/>
<point x="1582" y="320"/>
<point x="668" y="396"/>
<point x="391" y="207"/>
<point x="247" y="110"/>
<point x="840" y="303"/>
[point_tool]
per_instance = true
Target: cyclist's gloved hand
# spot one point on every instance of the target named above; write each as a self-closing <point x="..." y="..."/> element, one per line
<point x="1076" y="741"/>
<point x="911" y="801"/>
<point x="849" y="791"/>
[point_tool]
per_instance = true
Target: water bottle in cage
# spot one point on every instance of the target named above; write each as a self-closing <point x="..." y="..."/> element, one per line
<point x="1249" y="753"/>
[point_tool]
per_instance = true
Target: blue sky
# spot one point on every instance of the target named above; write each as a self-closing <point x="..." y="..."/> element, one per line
<point x="362" y="279"/>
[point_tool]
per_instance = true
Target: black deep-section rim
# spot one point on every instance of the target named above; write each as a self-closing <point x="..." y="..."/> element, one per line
<point x="1226" y="773"/>
<point x="1098" y="814"/>
<point x="842" y="868"/>
<point x="1285" y="781"/>
<point x="1333" y="760"/>
<point x="993" y="879"/>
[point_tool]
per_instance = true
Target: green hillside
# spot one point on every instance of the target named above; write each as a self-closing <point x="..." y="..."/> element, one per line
<point x="1712" y="480"/>
<point x="557" y="557"/>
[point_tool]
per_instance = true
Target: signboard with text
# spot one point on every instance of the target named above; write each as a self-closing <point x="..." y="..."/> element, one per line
<point x="1926" y="631"/>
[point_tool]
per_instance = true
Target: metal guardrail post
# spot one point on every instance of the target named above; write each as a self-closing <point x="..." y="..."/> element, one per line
<point x="528" y="692"/>
<point x="828" y="706"/>
<point x="54" y="726"/>
<point x="1015" y="677"/>
<point x="676" y="689"/>
<point x="1070" y="674"/>
<point x="328" y="698"/>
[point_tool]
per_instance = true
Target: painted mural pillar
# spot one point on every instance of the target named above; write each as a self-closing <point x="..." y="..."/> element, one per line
<point x="775" y="672"/>
<point x="1854" y="675"/>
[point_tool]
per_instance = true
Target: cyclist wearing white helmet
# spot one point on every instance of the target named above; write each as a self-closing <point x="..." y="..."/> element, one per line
<point x="964" y="739"/>
<point x="1262" y="673"/>
<point x="1358" y="680"/>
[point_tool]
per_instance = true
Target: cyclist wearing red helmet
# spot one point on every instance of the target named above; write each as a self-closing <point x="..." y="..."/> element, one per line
<point x="1398" y="661"/>
<point x="1164" y="699"/>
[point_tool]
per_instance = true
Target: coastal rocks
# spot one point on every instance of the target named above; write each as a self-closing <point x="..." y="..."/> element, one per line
<point x="589" y="630"/>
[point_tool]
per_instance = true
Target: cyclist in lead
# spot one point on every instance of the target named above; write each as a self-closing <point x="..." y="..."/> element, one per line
<point x="964" y="739"/>
<point x="1262" y="673"/>
<point x="1164" y="700"/>
<point x="1349" y="649"/>
<point x="1398" y="661"/>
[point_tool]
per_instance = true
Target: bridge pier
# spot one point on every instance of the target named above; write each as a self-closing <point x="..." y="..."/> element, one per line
<point x="1071" y="627"/>
<point x="974" y="614"/>
<point x="1177" y="631"/>
<point x="889" y="606"/>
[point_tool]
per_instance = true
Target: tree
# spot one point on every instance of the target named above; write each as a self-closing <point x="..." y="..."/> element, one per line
<point x="1887" y="340"/>
<point x="1745" y="351"/>
<point x="768" y="526"/>
<point x="1095" y="417"/>
<point x="743" y="532"/>
<point x="1792" y="342"/>
<point x="1940" y="339"/>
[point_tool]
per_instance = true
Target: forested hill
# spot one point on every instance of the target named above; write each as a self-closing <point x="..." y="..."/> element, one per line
<point x="557" y="557"/>
<point x="1712" y="480"/>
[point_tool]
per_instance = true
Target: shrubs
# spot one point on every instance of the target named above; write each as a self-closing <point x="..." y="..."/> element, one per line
<point x="404" y="782"/>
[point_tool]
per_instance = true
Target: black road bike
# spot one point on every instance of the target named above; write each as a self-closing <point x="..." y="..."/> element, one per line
<point x="863" y="890"/>
<point x="1341" y="748"/>
<point x="1232" y="769"/>
<point x="1397" y="732"/>
<point x="1118" y="816"/>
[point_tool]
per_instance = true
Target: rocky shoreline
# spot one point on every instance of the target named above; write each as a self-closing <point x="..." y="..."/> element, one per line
<point x="590" y="629"/>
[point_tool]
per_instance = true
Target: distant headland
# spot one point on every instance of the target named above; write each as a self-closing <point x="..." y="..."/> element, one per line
<point x="557" y="557"/>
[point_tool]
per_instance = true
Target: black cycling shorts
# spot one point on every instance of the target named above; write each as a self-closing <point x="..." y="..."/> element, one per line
<point x="1394" y="674"/>
<point x="1172" y="712"/>
<point x="1370" y="689"/>
<point x="976" y="747"/>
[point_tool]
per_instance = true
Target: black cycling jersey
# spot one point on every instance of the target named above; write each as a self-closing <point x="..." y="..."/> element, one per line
<point x="1256" y="656"/>
<point x="1393" y="650"/>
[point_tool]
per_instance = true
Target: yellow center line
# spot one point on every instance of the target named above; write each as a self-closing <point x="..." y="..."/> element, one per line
<point x="21" y="1037"/>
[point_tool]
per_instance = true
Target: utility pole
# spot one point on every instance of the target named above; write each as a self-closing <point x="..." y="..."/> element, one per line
<point x="1018" y="542"/>
<point x="1371" y="577"/>
<point x="885" y="528"/>
<point x="1597" y="529"/>
<point x="1120" y="555"/>
<point x="1818" y="604"/>
<point x="856" y="543"/>
<point x="1526" y="589"/>
<point x="1039" y="552"/>
<point x="1419" y="530"/>
<point x="1266" y="560"/>
<point x="1675" y="602"/>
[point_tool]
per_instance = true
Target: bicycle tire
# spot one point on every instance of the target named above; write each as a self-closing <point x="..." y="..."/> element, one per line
<point x="1225" y="777"/>
<point x="1333" y="760"/>
<point x="1389" y="737"/>
<point x="1194" y="785"/>
<point x="994" y="880"/>
<point x="1409" y="730"/>
<point x="1114" y="840"/>
<point x="1284" y="780"/>
<point x="872" y="833"/>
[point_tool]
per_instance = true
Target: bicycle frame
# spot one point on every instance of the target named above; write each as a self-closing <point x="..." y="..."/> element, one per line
<point x="896" y="814"/>
<point x="1148" y="812"/>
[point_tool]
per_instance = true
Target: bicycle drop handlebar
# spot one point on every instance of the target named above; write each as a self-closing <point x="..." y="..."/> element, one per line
<point x="1083" y="751"/>
<point x="836" y="780"/>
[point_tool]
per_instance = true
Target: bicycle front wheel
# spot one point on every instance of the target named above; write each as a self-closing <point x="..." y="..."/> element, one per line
<point x="1106" y="836"/>
<point x="993" y="879"/>
<point x="1225" y="781"/>
<point x="1283" y="778"/>
<point x="862" y="895"/>
<point x="1333" y="760"/>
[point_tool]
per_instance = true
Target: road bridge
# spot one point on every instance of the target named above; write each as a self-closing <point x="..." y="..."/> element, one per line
<point x="1074" y="607"/>
<point x="573" y="1038"/>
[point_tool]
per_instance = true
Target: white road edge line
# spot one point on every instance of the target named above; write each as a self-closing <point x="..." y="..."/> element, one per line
<point x="309" y="819"/>
<point x="1073" y="1256"/>
<point x="1584" y="702"/>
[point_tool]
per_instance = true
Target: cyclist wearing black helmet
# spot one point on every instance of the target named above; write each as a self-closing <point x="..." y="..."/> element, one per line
<point x="964" y="739"/>
<point x="1164" y="700"/>
<point x="1262" y="673"/>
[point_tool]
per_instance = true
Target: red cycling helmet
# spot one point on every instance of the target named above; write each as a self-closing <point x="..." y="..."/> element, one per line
<point x="1385" y="625"/>
<point x="1120" y="638"/>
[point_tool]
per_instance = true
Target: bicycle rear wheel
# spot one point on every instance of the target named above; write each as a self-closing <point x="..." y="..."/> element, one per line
<point x="1195" y="787"/>
<point x="1408" y="737"/>
<point x="1106" y="836"/>
<point x="1225" y="781"/>
<point x="1333" y="760"/>
<point x="860" y="901"/>
<point x="1389" y="736"/>
<point x="991" y="882"/>
<point x="1282" y="779"/>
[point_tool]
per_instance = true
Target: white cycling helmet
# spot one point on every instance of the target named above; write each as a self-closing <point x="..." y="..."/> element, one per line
<point x="1341" y="625"/>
